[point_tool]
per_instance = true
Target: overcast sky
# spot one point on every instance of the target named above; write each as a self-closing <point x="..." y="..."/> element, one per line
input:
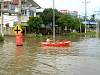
<point x="73" y="5"/>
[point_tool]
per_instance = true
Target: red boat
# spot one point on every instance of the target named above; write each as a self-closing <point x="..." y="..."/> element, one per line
<point x="56" y="44"/>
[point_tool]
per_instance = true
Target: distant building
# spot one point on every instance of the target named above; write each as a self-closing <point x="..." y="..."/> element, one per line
<point x="64" y="11"/>
<point x="73" y="13"/>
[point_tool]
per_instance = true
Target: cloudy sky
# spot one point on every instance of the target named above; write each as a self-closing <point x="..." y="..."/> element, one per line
<point x="73" y="5"/>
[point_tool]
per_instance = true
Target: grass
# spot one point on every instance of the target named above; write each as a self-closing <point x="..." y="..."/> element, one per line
<point x="87" y="33"/>
<point x="69" y="36"/>
<point x="1" y="38"/>
<point x="76" y="35"/>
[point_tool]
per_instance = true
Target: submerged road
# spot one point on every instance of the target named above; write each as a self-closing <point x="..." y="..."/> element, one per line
<point x="82" y="58"/>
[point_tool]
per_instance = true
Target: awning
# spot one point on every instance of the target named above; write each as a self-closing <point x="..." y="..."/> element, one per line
<point x="89" y="22"/>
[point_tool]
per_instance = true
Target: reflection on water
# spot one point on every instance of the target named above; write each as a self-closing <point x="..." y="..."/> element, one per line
<point x="19" y="53"/>
<point x="82" y="58"/>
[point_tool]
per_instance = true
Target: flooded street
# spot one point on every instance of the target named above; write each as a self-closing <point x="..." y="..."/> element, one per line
<point x="82" y="58"/>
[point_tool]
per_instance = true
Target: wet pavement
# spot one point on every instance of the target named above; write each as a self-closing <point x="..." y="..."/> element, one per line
<point x="82" y="58"/>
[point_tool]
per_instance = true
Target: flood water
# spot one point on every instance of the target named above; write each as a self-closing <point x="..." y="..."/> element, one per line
<point x="82" y="58"/>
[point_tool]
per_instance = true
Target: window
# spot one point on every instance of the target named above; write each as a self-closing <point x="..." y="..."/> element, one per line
<point x="11" y="8"/>
<point x="31" y="13"/>
<point x="24" y="12"/>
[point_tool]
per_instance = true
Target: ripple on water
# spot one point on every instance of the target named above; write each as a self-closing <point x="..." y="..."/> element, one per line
<point x="79" y="59"/>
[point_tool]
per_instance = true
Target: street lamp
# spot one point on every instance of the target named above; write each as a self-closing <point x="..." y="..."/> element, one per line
<point x="54" y="20"/>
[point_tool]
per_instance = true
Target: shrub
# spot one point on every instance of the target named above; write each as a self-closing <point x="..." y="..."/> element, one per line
<point x="1" y="38"/>
<point x="37" y="37"/>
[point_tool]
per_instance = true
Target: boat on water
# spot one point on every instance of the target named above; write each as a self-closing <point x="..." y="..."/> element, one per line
<point x="56" y="44"/>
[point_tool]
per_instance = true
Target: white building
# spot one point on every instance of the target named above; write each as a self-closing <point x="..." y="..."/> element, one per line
<point x="11" y="11"/>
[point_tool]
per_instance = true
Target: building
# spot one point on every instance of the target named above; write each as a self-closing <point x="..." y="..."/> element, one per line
<point x="73" y="13"/>
<point x="64" y="11"/>
<point x="11" y="11"/>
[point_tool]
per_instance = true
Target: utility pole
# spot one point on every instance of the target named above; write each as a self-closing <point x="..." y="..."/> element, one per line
<point x="80" y="24"/>
<point x="19" y="12"/>
<point x="98" y="23"/>
<point x="97" y="28"/>
<point x="85" y="14"/>
<point x="2" y="18"/>
<point x="54" y="20"/>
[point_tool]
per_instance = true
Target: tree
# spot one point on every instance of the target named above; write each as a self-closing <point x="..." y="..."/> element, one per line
<point x="35" y="24"/>
<point x="92" y="17"/>
<point x="61" y="20"/>
<point x="72" y="22"/>
<point x="47" y="16"/>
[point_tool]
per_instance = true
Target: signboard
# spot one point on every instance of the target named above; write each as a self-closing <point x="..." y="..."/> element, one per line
<point x="10" y="19"/>
<point x="17" y="29"/>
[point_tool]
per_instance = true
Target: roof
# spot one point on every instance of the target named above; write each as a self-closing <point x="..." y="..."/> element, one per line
<point x="34" y="4"/>
<point x="89" y="22"/>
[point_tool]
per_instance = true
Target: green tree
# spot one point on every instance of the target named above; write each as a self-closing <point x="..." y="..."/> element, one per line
<point x="1" y="38"/>
<point x="76" y="23"/>
<point x="72" y="22"/>
<point x="47" y="16"/>
<point x="35" y="24"/>
<point x="92" y="17"/>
